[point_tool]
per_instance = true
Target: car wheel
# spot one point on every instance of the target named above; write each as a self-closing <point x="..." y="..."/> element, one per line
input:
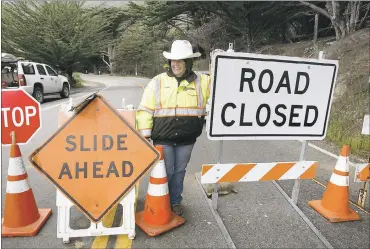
<point x="38" y="94"/>
<point x="65" y="91"/>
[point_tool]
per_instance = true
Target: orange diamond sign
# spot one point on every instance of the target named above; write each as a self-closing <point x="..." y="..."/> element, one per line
<point x="95" y="158"/>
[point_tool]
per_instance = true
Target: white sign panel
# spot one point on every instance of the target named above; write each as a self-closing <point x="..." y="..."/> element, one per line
<point x="366" y="125"/>
<point x="269" y="97"/>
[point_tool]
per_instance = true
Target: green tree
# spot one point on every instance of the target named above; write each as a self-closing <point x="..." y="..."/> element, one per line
<point x="60" y="33"/>
<point x="139" y="53"/>
<point x="117" y="20"/>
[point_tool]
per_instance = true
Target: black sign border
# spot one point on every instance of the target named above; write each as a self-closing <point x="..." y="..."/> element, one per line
<point x="273" y="60"/>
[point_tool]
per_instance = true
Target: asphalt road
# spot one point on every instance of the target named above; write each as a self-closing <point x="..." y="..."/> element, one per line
<point x="256" y="216"/>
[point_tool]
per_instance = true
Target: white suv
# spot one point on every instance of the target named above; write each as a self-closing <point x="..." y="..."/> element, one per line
<point x="37" y="79"/>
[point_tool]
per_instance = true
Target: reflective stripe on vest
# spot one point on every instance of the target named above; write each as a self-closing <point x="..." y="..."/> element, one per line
<point x="179" y="112"/>
<point x="157" y="93"/>
<point x="143" y="108"/>
<point x="199" y="91"/>
<point x="146" y="132"/>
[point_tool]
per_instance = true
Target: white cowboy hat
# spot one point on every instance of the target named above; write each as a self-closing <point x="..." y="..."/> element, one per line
<point x="180" y="50"/>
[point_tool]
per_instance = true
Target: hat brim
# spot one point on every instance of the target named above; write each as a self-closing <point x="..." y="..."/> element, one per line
<point x="178" y="57"/>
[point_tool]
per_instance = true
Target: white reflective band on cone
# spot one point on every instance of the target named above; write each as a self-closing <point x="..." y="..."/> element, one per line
<point x="157" y="189"/>
<point x="159" y="170"/>
<point x="17" y="187"/>
<point x="339" y="180"/>
<point x="16" y="166"/>
<point x="342" y="164"/>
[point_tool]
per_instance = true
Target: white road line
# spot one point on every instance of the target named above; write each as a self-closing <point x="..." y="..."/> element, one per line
<point x="326" y="152"/>
<point x="49" y="107"/>
<point x="216" y="216"/>
<point x="304" y="217"/>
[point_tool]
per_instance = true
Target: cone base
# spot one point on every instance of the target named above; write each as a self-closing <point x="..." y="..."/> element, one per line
<point x="154" y="230"/>
<point x="333" y="217"/>
<point x="30" y="230"/>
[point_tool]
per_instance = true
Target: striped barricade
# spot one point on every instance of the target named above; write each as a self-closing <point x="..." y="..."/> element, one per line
<point x="362" y="173"/>
<point x="251" y="172"/>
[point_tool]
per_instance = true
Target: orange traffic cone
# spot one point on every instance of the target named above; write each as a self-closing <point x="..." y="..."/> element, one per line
<point x="21" y="215"/>
<point x="157" y="217"/>
<point x="334" y="205"/>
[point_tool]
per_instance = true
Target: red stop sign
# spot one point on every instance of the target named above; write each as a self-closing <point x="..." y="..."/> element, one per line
<point x="20" y="113"/>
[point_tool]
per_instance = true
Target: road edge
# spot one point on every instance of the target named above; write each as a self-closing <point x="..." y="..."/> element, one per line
<point x="218" y="219"/>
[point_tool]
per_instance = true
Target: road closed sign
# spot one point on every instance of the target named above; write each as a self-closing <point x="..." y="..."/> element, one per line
<point x="269" y="97"/>
<point x="95" y="158"/>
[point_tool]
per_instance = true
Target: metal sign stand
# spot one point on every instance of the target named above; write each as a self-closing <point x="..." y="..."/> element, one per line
<point x="64" y="231"/>
<point x="302" y="156"/>
<point x="297" y="183"/>
<point x="219" y="153"/>
<point x="363" y="192"/>
<point x="295" y="192"/>
<point x="293" y="200"/>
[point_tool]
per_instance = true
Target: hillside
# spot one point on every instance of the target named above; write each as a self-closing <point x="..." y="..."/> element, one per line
<point x="351" y="96"/>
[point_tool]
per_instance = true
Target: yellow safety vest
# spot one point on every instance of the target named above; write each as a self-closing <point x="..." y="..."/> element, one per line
<point x="173" y="113"/>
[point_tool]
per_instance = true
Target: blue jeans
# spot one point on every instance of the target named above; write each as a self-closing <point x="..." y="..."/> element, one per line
<point x="176" y="159"/>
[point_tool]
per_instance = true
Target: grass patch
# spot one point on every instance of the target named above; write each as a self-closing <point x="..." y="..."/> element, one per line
<point x="345" y="126"/>
<point x="77" y="78"/>
<point x="338" y="134"/>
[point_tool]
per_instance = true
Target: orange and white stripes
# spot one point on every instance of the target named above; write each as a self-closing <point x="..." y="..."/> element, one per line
<point x="157" y="204"/>
<point x="158" y="185"/>
<point x="20" y="209"/>
<point x="362" y="173"/>
<point x="17" y="175"/>
<point x="340" y="176"/>
<point x="249" y="172"/>
<point x="334" y="204"/>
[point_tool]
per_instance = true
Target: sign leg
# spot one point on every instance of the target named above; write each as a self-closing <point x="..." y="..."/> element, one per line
<point x="215" y="186"/>
<point x="297" y="182"/>
<point x="362" y="194"/>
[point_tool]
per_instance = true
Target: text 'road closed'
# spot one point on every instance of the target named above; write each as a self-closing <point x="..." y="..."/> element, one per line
<point x="96" y="168"/>
<point x="265" y="97"/>
<point x="280" y="114"/>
